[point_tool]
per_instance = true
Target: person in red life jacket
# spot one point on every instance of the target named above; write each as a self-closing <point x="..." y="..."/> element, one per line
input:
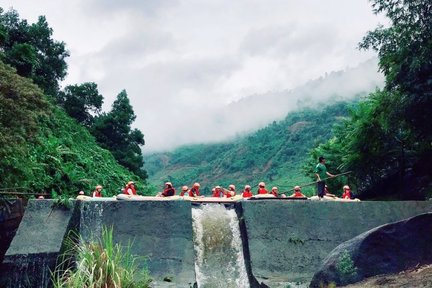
<point x="230" y="192"/>
<point x="130" y="188"/>
<point x="297" y="193"/>
<point x="168" y="191"/>
<point x="274" y="191"/>
<point x="346" y="192"/>
<point x="218" y="192"/>
<point x="194" y="191"/>
<point x="98" y="191"/>
<point x="185" y="190"/>
<point x="261" y="189"/>
<point x="247" y="193"/>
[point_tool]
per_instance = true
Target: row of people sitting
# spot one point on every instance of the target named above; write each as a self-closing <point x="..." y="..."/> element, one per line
<point x="219" y="191"/>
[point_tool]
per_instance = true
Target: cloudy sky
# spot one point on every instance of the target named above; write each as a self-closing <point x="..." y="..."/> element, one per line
<point x="183" y="60"/>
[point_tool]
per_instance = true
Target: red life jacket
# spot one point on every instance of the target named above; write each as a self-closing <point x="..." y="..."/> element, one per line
<point x="184" y="192"/>
<point x="97" y="193"/>
<point x="228" y="193"/>
<point x="274" y="193"/>
<point x="247" y="194"/>
<point x="346" y="194"/>
<point x="298" y="194"/>
<point x="194" y="192"/>
<point x="130" y="187"/>
<point x="168" y="192"/>
<point x="217" y="193"/>
<point x="262" y="191"/>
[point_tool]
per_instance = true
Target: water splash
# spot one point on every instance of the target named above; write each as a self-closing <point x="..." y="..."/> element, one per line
<point x="218" y="247"/>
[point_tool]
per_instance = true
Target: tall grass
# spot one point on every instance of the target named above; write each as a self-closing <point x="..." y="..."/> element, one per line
<point x="101" y="263"/>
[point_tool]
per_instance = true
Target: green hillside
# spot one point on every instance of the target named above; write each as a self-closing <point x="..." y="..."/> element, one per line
<point x="275" y="154"/>
<point x="44" y="150"/>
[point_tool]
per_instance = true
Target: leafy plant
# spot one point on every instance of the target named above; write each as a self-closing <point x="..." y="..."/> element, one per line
<point x="345" y="265"/>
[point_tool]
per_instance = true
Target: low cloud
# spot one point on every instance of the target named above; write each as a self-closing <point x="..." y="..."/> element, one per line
<point x="183" y="62"/>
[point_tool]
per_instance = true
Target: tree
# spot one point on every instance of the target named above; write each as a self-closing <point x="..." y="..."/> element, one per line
<point x="113" y="132"/>
<point x="387" y="141"/>
<point x="81" y="102"/>
<point x="405" y="53"/>
<point x="32" y="51"/>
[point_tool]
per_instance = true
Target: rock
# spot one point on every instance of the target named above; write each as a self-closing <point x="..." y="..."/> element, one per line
<point x="387" y="249"/>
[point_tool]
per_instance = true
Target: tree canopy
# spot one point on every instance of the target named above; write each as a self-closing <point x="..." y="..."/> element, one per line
<point x="82" y="102"/>
<point x="387" y="141"/>
<point x="113" y="131"/>
<point x="32" y="50"/>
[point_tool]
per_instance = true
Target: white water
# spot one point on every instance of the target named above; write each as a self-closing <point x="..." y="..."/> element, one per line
<point x="218" y="247"/>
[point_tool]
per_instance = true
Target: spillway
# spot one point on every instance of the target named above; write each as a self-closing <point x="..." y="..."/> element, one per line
<point x="219" y="259"/>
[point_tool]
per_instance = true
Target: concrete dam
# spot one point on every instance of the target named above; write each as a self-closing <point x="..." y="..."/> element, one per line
<point x="262" y="243"/>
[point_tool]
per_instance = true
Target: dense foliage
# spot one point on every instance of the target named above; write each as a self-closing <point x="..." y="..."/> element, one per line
<point x="274" y="154"/>
<point x="113" y="131"/>
<point x="32" y="51"/>
<point x="81" y="102"/>
<point x="44" y="150"/>
<point x="387" y="141"/>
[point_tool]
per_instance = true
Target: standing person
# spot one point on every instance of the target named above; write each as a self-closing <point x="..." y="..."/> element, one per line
<point x="194" y="191"/>
<point x="98" y="191"/>
<point x="185" y="190"/>
<point x="247" y="193"/>
<point x="130" y="188"/>
<point x="274" y="192"/>
<point x="261" y="188"/>
<point x="321" y="173"/>
<point x="168" y="191"/>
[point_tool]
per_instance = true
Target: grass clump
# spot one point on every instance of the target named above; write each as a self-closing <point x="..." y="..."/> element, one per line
<point x="345" y="265"/>
<point x="101" y="264"/>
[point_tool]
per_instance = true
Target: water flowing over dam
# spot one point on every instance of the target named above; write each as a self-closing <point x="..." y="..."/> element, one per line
<point x="218" y="247"/>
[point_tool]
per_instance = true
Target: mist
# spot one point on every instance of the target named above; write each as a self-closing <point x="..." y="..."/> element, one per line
<point x="240" y="117"/>
<point x="204" y="71"/>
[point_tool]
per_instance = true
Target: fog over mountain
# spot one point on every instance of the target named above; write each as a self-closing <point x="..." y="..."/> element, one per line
<point x="184" y="64"/>
<point x="256" y="111"/>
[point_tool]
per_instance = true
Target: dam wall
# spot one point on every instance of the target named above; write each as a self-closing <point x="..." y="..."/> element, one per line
<point x="288" y="240"/>
<point x="284" y="241"/>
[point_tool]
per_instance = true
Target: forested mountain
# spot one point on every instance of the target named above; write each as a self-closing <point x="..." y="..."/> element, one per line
<point x="32" y="51"/>
<point x="385" y="141"/>
<point x="44" y="150"/>
<point x="47" y="135"/>
<point x="275" y="154"/>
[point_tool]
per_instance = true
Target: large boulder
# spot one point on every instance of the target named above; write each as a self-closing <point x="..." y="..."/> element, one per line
<point x="390" y="248"/>
<point x="288" y="239"/>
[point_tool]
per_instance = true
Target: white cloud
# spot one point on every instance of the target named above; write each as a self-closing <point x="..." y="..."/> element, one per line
<point x="182" y="61"/>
